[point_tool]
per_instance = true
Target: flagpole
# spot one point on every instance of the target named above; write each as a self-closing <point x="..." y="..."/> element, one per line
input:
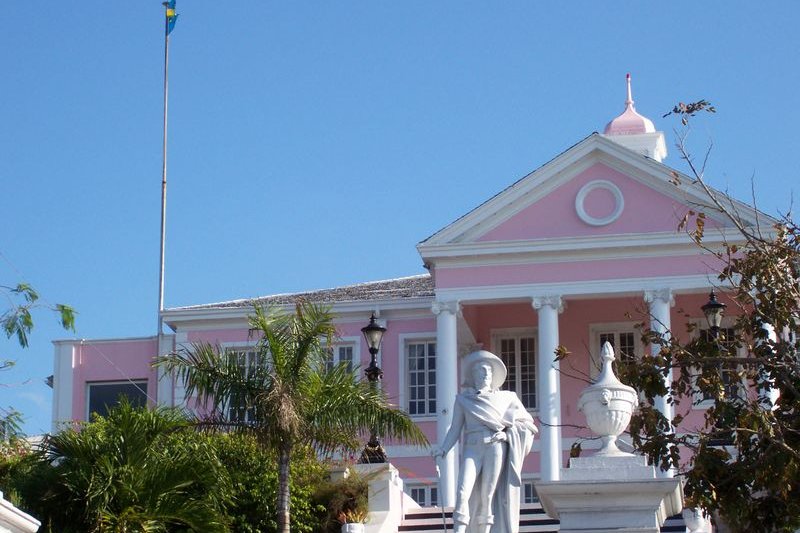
<point x="163" y="177"/>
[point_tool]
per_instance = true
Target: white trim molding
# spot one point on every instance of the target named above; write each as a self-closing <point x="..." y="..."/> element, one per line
<point x="580" y="200"/>
<point x="663" y="294"/>
<point x="553" y="300"/>
<point x="576" y="289"/>
<point x="453" y="307"/>
<point x="403" y="339"/>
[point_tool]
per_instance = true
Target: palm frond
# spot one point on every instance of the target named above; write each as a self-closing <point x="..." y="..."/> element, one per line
<point x="345" y="405"/>
<point x="216" y="377"/>
<point x="137" y="470"/>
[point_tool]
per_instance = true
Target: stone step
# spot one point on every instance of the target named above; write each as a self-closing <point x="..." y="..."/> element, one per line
<point x="532" y="519"/>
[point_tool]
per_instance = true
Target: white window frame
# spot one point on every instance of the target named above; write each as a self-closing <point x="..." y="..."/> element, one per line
<point x="499" y="334"/>
<point x="595" y="350"/>
<point x="699" y="402"/>
<point x="528" y="481"/>
<point x="248" y="347"/>
<point x="404" y="339"/>
<point x="427" y="486"/>
<point x="342" y="342"/>
<point x="141" y="383"/>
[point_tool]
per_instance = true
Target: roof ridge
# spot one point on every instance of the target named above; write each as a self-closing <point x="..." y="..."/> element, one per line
<point x="292" y="295"/>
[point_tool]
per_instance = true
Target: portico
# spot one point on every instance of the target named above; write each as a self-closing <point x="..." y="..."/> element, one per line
<point x="571" y="319"/>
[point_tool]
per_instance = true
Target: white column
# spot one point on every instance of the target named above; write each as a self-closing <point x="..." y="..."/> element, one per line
<point x="660" y="301"/>
<point x="772" y="394"/>
<point x="446" y="390"/>
<point x="165" y="389"/>
<point x="548" y="384"/>
<point x="768" y="397"/>
<point x="64" y="363"/>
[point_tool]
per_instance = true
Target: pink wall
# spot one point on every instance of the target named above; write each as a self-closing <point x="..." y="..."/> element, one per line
<point x="412" y="469"/>
<point x="554" y="215"/>
<point x="112" y="361"/>
<point x="220" y="336"/>
<point x="392" y="359"/>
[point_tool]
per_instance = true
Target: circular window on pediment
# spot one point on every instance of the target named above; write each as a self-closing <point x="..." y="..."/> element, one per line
<point x="599" y="203"/>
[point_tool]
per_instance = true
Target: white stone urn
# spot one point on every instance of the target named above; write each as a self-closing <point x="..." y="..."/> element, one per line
<point x="608" y="404"/>
<point x="353" y="528"/>
<point x="696" y="521"/>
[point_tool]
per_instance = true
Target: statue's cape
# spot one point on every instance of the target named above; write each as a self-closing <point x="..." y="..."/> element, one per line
<point x="503" y="412"/>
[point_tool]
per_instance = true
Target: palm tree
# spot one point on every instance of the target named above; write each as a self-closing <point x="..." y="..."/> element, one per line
<point x="291" y="398"/>
<point x="134" y="470"/>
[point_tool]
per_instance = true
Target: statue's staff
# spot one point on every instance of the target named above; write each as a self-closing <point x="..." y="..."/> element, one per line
<point x="439" y="484"/>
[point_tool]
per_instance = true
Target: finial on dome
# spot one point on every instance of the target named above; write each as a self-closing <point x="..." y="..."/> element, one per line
<point x="629" y="122"/>
<point x="629" y="101"/>
<point x="634" y="131"/>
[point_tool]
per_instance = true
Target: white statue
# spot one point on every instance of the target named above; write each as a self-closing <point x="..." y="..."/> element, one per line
<point x="497" y="435"/>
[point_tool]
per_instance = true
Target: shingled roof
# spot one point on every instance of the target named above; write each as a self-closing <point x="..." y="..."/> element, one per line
<point x="418" y="286"/>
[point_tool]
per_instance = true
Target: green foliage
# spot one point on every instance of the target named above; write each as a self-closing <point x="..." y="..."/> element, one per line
<point x="15" y="462"/>
<point x="134" y="470"/>
<point x="346" y="501"/>
<point x="106" y="478"/>
<point x="254" y="485"/>
<point x="744" y="462"/>
<point x="17" y="321"/>
<point x="294" y="400"/>
<point x="10" y="425"/>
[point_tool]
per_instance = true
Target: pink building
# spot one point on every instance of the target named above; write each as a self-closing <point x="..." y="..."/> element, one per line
<point x="574" y="253"/>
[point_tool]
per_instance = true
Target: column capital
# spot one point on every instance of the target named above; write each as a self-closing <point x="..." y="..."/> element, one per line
<point x="452" y="307"/>
<point x="665" y="295"/>
<point x="552" y="300"/>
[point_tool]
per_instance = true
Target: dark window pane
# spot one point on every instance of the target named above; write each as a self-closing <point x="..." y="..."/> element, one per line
<point x="103" y="396"/>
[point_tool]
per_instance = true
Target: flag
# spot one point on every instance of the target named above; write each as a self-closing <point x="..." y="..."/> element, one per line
<point x="171" y="15"/>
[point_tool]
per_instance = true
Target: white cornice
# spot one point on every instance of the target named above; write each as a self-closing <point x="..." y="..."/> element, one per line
<point x="562" y="249"/>
<point x="113" y="339"/>
<point x="579" y="289"/>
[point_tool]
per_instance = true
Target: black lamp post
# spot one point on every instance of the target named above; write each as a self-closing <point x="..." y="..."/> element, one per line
<point x="714" y="311"/>
<point x="373" y="333"/>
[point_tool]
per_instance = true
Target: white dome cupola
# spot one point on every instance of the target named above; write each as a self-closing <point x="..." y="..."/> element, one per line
<point x="637" y="132"/>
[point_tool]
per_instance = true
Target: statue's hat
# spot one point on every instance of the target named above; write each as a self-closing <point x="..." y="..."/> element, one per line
<point x="499" y="371"/>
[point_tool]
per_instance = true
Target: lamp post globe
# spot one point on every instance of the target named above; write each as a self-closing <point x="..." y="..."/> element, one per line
<point x="373" y="333"/>
<point x="714" y="310"/>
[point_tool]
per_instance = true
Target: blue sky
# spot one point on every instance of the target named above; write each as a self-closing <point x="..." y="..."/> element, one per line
<point x="301" y="132"/>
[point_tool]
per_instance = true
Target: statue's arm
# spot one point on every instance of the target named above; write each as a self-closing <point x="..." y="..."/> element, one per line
<point x="522" y="418"/>
<point x="455" y="429"/>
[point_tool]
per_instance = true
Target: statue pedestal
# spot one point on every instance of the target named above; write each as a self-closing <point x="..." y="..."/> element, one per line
<point x="606" y="493"/>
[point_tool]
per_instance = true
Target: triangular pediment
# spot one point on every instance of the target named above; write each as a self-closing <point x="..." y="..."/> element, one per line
<point x="595" y="191"/>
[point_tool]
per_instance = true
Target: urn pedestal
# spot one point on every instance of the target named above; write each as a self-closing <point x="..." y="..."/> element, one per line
<point x="611" y="490"/>
<point x="611" y="493"/>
